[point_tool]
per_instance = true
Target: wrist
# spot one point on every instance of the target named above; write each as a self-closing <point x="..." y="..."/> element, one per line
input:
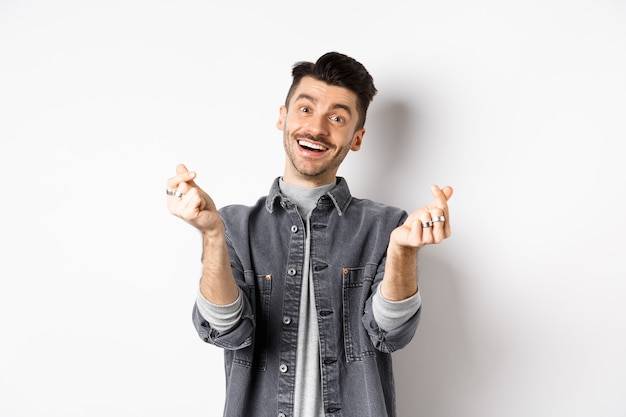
<point x="395" y="250"/>
<point x="215" y="233"/>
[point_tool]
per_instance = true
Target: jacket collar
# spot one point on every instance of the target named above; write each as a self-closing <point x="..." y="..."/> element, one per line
<point x="339" y="196"/>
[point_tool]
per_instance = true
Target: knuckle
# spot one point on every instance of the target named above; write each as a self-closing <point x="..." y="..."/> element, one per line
<point x="436" y="211"/>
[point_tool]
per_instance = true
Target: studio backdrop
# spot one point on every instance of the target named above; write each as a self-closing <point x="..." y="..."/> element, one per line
<point x="518" y="105"/>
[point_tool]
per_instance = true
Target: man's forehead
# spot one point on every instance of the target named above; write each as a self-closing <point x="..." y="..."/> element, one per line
<point x="315" y="90"/>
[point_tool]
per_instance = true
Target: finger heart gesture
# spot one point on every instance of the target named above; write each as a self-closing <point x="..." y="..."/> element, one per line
<point x="189" y="202"/>
<point x="427" y="225"/>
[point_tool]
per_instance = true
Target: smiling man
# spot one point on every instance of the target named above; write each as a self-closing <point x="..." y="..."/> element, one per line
<point x="310" y="290"/>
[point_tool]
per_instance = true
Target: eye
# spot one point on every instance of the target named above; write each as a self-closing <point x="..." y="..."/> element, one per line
<point x="304" y="109"/>
<point x="337" y="119"/>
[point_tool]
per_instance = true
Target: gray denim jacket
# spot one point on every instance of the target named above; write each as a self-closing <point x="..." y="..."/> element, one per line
<point x="349" y="239"/>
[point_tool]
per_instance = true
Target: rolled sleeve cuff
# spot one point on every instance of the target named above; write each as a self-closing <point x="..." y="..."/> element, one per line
<point x="221" y="318"/>
<point x="390" y="315"/>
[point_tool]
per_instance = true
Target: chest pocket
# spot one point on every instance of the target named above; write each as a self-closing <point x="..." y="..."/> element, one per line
<point x="255" y="355"/>
<point x="357" y="284"/>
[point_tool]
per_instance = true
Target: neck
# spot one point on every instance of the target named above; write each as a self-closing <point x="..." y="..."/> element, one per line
<point x="290" y="176"/>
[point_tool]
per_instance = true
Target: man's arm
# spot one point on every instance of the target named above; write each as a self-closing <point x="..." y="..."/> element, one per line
<point x="189" y="202"/>
<point x="400" y="280"/>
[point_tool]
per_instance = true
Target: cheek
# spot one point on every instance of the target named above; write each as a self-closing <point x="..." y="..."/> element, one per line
<point x="290" y="123"/>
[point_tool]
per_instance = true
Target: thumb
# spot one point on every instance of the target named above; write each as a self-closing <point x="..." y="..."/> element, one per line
<point x="181" y="169"/>
<point x="186" y="175"/>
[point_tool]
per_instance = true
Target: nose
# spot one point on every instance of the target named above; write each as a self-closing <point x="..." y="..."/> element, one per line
<point x="318" y="125"/>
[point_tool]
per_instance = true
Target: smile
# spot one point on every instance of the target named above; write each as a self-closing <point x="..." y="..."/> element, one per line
<point x="311" y="146"/>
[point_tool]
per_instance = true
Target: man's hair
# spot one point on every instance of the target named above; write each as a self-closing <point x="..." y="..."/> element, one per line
<point x="339" y="70"/>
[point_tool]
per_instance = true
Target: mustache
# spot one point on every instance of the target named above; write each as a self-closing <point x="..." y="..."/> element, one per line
<point x="318" y="139"/>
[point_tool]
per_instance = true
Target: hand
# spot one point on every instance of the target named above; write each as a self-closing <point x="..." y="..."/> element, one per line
<point x="419" y="229"/>
<point x="191" y="203"/>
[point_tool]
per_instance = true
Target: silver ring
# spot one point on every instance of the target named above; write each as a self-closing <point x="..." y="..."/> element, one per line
<point x="427" y="224"/>
<point x="178" y="194"/>
<point x="169" y="192"/>
<point x="439" y="219"/>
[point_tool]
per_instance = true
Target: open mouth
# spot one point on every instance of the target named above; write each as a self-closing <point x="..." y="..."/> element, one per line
<point x="305" y="144"/>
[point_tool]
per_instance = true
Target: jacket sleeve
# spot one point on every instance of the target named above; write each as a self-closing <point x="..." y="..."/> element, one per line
<point x="240" y="334"/>
<point x="392" y="314"/>
<point x="238" y="337"/>
<point x="394" y="339"/>
<point x="403" y="331"/>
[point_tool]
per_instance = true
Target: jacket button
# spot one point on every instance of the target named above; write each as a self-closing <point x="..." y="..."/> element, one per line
<point x="291" y="271"/>
<point x="294" y="228"/>
<point x="283" y="368"/>
<point x="282" y="415"/>
<point x="287" y="320"/>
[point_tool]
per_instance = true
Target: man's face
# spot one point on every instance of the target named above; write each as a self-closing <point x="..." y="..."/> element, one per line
<point x="318" y="132"/>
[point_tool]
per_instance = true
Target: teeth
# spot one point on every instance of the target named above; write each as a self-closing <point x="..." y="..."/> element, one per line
<point x="308" y="144"/>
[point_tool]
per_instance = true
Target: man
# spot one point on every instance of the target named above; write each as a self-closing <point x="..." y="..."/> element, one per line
<point x="310" y="290"/>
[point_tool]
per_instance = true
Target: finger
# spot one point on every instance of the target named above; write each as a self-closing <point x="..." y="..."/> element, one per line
<point x="184" y="204"/>
<point x="183" y="175"/>
<point x="414" y="233"/>
<point x="191" y="203"/>
<point x="181" y="169"/>
<point x="426" y="223"/>
<point x="438" y="224"/>
<point x="441" y="229"/>
<point x="448" y="191"/>
<point x="441" y="200"/>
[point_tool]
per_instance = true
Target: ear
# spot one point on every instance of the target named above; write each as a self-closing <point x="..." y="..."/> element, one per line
<point x="357" y="140"/>
<point x="280" y="124"/>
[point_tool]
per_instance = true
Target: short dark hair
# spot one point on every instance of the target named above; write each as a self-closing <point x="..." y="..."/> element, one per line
<point x="339" y="70"/>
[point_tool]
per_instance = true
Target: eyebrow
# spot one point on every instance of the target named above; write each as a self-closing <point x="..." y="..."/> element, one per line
<point x="333" y="107"/>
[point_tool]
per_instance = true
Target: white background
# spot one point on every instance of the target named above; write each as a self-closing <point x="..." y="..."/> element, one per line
<point x="519" y="105"/>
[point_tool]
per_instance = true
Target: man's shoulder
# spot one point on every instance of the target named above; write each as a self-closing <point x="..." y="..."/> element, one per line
<point x="368" y="205"/>
<point x="374" y="214"/>
<point x="238" y="209"/>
